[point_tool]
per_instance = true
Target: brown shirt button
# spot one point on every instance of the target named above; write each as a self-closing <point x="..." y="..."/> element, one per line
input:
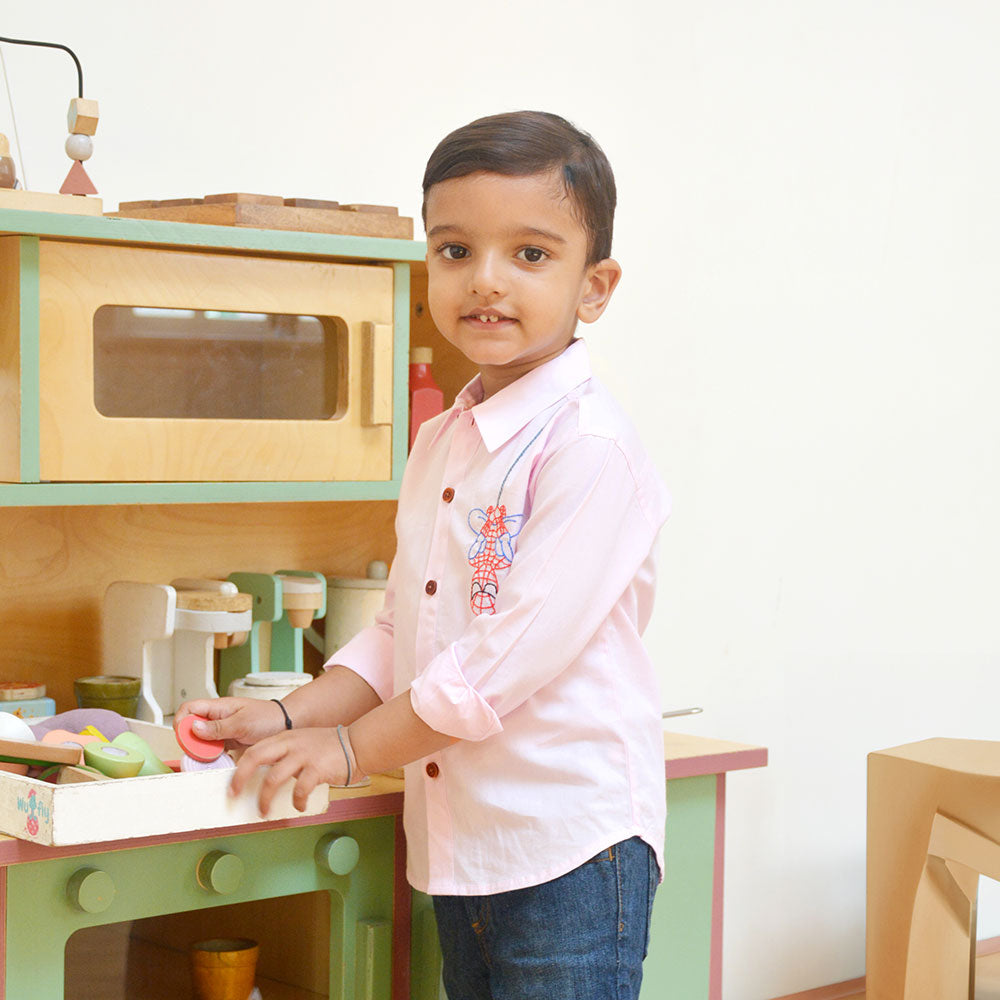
<point x="448" y="495"/>
<point x="430" y="587"/>
<point x="432" y="770"/>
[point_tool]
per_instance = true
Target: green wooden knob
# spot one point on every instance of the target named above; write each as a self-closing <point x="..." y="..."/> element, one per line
<point x="91" y="890"/>
<point x="221" y="872"/>
<point x="338" y="854"/>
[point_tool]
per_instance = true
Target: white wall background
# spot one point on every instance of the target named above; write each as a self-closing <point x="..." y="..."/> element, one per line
<point x="807" y="331"/>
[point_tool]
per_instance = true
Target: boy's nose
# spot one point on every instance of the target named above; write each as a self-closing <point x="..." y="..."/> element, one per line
<point x="486" y="278"/>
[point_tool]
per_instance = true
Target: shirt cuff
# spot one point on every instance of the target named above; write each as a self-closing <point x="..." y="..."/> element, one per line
<point x="449" y="704"/>
<point x="369" y="655"/>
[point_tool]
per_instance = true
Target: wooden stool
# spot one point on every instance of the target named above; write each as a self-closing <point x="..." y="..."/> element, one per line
<point x="933" y="828"/>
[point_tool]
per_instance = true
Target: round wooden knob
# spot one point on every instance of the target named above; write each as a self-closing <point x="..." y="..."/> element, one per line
<point x="221" y="872"/>
<point x="338" y="854"/>
<point x="91" y="890"/>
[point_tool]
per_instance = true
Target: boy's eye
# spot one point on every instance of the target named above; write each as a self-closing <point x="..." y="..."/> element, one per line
<point x="452" y="251"/>
<point x="532" y="254"/>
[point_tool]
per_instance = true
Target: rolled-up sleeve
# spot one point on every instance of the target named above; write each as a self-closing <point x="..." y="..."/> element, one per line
<point x="592" y="526"/>
<point x="370" y="653"/>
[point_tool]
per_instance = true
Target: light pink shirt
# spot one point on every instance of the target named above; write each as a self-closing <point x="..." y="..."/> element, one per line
<point x="522" y="582"/>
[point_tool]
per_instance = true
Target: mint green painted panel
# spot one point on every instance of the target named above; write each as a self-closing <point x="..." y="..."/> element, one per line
<point x="425" y="950"/>
<point x="104" y="494"/>
<point x="238" y="661"/>
<point x="400" y="368"/>
<point x="678" y="963"/>
<point x="187" y="234"/>
<point x="151" y="881"/>
<point x="29" y="348"/>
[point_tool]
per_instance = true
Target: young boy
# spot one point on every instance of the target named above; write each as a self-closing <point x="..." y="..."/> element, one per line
<point x="506" y="669"/>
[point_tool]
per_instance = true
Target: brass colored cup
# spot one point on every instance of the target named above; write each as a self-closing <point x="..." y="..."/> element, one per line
<point x="224" y="968"/>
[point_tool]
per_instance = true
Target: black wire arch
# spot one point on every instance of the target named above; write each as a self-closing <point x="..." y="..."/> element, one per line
<point x="52" y="45"/>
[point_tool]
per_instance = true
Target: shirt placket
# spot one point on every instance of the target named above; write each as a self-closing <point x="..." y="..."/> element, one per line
<point x="439" y="581"/>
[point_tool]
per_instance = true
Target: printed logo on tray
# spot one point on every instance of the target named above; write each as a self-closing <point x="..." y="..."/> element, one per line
<point x="35" y="810"/>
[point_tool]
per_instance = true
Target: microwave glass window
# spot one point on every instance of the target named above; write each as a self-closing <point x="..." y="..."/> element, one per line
<point x="193" y="363"/>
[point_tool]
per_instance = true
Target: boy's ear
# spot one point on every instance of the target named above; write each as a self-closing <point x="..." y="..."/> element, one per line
<point x="600" y="282"/>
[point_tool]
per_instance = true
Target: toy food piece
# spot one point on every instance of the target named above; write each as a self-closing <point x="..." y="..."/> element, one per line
<point x="78" y="775"/>
<point x="13" y="728"/>
<point x="115" y="762"/>
<point x="194" y="746"/>
<point x="63" y="737"/>
<point x="33" y="753"/>
<point x="75" y="721"/>
<point x="95" y="733"/>
<point x="151" y="763"/>
<point x="221" y="763"/>
<point x="20" y="691"/>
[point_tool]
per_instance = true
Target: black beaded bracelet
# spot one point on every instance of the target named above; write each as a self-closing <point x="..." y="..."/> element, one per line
<point x="284" y="712"/>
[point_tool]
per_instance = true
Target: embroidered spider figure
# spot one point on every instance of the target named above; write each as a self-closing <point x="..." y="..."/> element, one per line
<point x="491" y="551"/>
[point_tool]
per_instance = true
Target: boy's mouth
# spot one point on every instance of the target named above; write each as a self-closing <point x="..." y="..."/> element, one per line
<point x="486" y="317"/>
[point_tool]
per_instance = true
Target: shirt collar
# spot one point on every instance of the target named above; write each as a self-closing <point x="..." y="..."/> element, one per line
<point x="511" y="409"/>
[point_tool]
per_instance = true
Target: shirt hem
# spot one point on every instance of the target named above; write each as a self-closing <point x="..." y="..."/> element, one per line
<point x="438" y="887"/>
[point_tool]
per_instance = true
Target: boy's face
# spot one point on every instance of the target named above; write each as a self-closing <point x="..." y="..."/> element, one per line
<point x="507" y="271"/>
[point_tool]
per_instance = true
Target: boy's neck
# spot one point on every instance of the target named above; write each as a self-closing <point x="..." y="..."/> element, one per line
<point x="493" y="380"/>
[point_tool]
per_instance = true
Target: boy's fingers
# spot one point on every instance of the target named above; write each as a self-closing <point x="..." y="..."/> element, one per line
<point x="307" y="781"/>
<point x="278" y="774"/>
<point x="249" y="761"/>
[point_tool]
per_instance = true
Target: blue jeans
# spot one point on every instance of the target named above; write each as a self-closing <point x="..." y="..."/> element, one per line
<point x="579" y="937"/>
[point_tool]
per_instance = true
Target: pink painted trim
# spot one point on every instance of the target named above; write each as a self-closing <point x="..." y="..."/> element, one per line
<point x="3" y="933"/>
<point x="715" y="959"/>
<point x="988" y="946"/>
<point x="14" y="852"/>
<point x="737" y="760"/>
<point x="400" y="919"/>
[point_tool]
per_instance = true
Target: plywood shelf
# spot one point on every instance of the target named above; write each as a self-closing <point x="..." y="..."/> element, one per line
<point x="151" y="972"/>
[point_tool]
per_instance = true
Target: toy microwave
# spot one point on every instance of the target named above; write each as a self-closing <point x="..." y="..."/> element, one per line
<point x="164" y="364"/>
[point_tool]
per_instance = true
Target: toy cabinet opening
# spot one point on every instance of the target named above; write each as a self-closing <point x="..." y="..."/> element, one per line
<point x="176" y="365"/>
<point x="148" y="959"/>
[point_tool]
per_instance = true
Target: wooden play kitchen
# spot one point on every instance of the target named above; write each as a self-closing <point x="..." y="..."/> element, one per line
<point x="148" y="433"/>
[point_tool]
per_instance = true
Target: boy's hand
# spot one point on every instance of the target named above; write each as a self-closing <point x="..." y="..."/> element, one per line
<point x="240" y="722"/>
<point x="310" y="756"/>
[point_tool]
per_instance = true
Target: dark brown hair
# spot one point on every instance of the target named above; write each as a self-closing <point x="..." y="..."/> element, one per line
<point x="520" y="143"/>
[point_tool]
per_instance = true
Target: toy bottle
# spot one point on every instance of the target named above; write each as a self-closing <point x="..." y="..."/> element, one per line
<point x="426" y="399"/>
<point x="8" y="176"/>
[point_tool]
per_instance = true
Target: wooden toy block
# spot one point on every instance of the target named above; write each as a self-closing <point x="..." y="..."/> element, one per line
<point x="21" y="752"/>
<point x="77" y="181"/>
<point x="45" y="201"/>
<point x="311" y="203"/>
<point x="79" y="775"/>
<point x="243" y="199"/>
<point x="82" y="116"/>
<point x="373" y="209"/>
<point x="933" y="828"/>
<point x="297" y="218"/>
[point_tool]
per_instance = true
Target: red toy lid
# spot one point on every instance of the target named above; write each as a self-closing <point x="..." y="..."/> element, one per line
<point x="194" y="746"/>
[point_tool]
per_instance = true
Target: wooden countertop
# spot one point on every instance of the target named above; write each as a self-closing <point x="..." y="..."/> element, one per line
<point x="685" y="756"/>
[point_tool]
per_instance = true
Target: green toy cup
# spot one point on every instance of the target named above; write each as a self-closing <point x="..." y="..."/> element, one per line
<point x="118" y="694"/>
